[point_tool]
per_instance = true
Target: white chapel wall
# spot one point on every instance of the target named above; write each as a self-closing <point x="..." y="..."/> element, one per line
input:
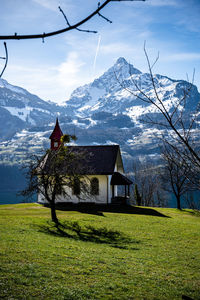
<point x="101" y="198"/>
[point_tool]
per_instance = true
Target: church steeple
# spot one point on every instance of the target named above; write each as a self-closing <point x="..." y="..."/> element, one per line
<point x="56" y="136"/>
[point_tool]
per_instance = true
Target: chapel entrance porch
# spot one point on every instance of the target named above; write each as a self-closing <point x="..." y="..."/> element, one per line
<point x="122" y="181"/>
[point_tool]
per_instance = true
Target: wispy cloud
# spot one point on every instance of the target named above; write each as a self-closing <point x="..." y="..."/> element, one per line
<point x="49" y="4"/>
<point x="163" y="2"/>
<point x="116" y="47"/>
<point x="53" y="4"/>
<point x="69" y="71"/>
<point x="190" y="22"/>
<point x="182" y="57"/>
<point x="43" y="81"/>
<point x="51" y="83"/>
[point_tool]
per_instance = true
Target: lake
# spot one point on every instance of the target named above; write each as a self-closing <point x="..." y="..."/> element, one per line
<point x="9" y="197"/>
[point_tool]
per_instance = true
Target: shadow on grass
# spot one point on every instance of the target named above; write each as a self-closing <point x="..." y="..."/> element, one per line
<point x="194" y="212"/>
<point x="100" y="209"/>
<point x="74" y="230"/>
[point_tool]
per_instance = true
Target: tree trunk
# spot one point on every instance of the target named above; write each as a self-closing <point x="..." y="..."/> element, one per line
<point x="178" y="200"/>
<point x="53" y="213"/>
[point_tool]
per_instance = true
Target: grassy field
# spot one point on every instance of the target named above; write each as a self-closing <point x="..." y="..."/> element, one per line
<point x="132" y="253"/>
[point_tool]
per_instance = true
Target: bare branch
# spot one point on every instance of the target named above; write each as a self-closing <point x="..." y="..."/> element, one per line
<point x="157" y="58"/>
<point x="180" y="136"/>
<point x="163" y="108"/>
<point x="6" y="59"/>
<point x="83" y="30"/>
<point x="64" y="15"/>
<point x="56" y="32"/>
<point x="86" y="30"/>
<point x="100" y="15"/>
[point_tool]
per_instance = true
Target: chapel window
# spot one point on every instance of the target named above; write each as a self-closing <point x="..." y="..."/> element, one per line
<point x="94" y="189"/>
<point x="76" y="187"/>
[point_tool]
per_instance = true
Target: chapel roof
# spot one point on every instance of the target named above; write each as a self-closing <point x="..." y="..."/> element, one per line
<point x="100" y="159"/>
<point x="96" y="160"/>
<point x="57" y="132"/>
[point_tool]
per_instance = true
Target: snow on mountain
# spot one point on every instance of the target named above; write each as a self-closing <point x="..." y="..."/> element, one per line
<point x="20" y="109"/>
<point x="109" y="93"/>
<point x="16" y="89"/>
<point x="98" y="95"/>
<point x="101" y="112"/>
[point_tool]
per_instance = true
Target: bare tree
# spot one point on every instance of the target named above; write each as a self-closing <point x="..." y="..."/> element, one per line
<point x="175" y="173"/>
<point x="55" y="173"/>
<point x="181" y="128"/>
<point x="149" y="188"/>
<point x="191" y="199"/>
<point x="137" y="195"/>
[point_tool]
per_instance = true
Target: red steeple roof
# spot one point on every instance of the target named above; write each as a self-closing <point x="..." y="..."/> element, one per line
<point x="57" y="132"/>
<point x="55" y="136"/>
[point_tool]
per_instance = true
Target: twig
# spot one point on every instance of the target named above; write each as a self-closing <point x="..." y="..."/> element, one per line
<point x="100" y="15"/>
<point x="6" y="59"/>
<point x="83" y="30"/>
<point x="157" y="58"/>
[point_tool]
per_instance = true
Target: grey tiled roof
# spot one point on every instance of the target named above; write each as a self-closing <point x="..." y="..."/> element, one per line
<point x="100" y="159"/>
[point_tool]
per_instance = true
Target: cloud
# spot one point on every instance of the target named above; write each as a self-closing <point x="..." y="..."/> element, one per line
<point x="69" y="71"/>
<point x="163" y="2"/>
<point x="41" y="81"/>
<point x="112" y="48"/>
<point x="182" y="57"/>
<point x="49" y="4"/>
<point x="53" y="4"/>
<point x="53" y="83"/>
<point x="190" y="21"/>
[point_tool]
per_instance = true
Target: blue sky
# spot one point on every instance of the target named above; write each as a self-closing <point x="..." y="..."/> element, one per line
<point x="53" y="69"/>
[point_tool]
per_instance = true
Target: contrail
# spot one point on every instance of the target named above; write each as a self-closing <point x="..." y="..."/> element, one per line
<point x="97" y="51"/>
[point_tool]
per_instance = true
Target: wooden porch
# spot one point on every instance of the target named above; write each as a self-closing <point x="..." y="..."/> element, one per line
<point x="119" y="179"/>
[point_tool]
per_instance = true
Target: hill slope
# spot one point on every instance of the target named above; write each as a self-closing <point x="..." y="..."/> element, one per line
<point x="138" y="253"/>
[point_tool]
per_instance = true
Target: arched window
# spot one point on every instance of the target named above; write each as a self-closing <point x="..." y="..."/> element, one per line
<point x="94" y="190"/>
<point x="76" y="187"/>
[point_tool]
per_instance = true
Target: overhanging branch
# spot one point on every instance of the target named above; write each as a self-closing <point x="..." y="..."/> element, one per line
<point x="6" y="59"/>
<point x="56" y="32"/>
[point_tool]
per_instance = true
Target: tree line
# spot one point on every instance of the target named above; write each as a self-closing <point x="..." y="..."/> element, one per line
<point x="163" y="183"/>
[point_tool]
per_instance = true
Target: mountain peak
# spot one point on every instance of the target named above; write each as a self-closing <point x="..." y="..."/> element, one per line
<point x="122" y="64"/>
<point x="121" y="61"/>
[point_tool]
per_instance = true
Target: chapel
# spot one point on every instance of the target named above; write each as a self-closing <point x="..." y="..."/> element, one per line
<point x="105" y="171"/>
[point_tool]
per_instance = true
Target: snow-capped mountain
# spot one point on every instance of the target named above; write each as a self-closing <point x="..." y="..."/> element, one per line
<point x="20" y="109"/>
<point x="116" y="92"/>
<point x="101" y="112"/>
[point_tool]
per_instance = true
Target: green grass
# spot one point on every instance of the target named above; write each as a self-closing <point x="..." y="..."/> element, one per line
<point x="136" y="253"/>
